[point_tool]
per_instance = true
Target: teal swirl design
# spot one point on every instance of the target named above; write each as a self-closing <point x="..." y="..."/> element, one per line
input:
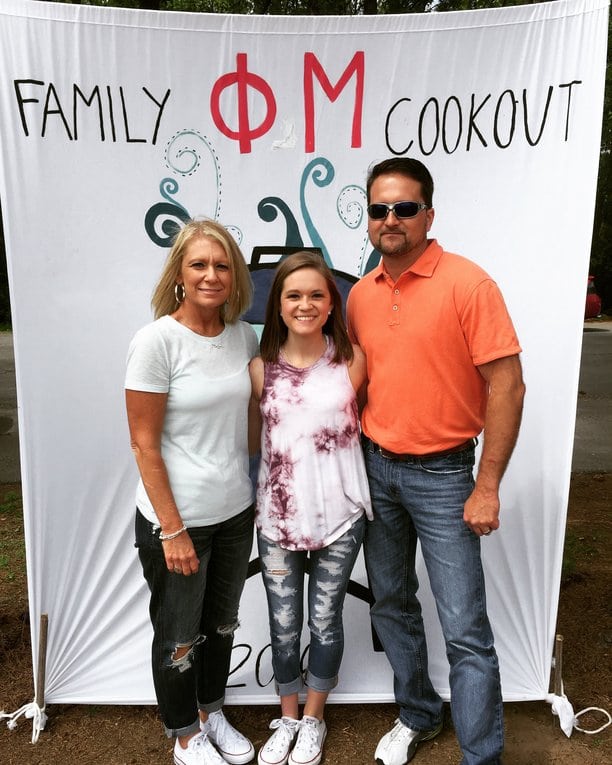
<point x="163" y="220"/>
<point x="185" y="153"/>
<point x="322" y="173"/>
<point x="268" y="210"/>
<point x="351" y="207"/>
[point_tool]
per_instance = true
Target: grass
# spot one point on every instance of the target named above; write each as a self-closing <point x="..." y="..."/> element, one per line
<point x="12" y="543"/>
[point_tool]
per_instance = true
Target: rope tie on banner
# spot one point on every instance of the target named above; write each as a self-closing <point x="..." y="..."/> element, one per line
<point x="35" y="710"/>
<point x="30" y="711"/>
<point x="597" y="730"/>
<point x="568" y="721"/>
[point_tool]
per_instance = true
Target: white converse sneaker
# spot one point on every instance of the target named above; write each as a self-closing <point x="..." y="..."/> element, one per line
<point x="276" y="749"/>
<point x="233" y="746"/>
<point x="199" y="751"/>
<point x="308" y="748"/>
<point x="397" y="747"/>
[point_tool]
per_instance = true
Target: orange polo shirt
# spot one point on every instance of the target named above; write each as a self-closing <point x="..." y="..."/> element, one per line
<point x="424" y="337"/>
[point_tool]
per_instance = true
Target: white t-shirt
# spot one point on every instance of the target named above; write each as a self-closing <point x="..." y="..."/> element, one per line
<point x="204" y="438"/>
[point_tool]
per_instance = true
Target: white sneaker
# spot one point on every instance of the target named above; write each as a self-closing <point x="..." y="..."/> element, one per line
<point x="199" y="751"/>
<point x="308" y="748"/>
<point x="397" y="747"/>
<point x="233" y="746"/>
<point x="276" y="749"/>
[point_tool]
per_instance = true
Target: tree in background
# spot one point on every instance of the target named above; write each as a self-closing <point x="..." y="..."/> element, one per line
<point x="601" y="245"/>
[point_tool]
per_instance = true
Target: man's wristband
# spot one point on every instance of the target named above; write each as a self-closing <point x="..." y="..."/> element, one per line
<point x="167" y="537"/>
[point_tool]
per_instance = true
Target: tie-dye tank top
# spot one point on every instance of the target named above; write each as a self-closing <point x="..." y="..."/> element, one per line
<point x="312" y="483"/>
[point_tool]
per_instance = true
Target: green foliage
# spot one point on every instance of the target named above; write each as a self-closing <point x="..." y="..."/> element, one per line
<point x="12" y="545"/>
<point x="11" y="504"/>
<point x="5" y="303"/>
<point x="601" y="248"/>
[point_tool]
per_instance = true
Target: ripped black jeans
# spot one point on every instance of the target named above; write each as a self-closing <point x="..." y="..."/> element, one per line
<point x="201" y="611"/>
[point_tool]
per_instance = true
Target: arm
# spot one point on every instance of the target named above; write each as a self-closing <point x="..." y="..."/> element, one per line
<point x="256" y="372"/>
<point x="502" y="421"/>
<point x="358" y="374"/>
<point x="146" y="412"/>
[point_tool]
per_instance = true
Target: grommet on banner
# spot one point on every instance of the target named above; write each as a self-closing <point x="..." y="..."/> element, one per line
<point x="35" y="710"/>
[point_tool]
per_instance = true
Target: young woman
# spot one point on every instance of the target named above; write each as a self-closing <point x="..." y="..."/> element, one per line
<point x="187" y="393"/>
<point x="312" y="491"/>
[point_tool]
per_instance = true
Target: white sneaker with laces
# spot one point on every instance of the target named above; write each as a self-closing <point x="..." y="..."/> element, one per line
<point x="276" y="749"/>
<point x="233" y="746"/>
<point x="308" y="748"/>
<point x="199" y="751"/>
<point x="397" y="747"/>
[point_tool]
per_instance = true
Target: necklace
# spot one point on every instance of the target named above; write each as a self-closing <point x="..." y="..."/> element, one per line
<point x="203" y="333"/>
<point x="304" y="361"/>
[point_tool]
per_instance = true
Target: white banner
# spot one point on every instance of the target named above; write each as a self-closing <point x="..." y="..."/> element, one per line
<point x="117" y="124"/>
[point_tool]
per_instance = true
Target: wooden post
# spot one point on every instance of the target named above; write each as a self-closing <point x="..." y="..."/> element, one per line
<point x="558" y="684"/>
<point x="42" y="661"/>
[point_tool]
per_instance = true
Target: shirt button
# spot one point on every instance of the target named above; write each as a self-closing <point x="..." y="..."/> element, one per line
<point x="397" y="292"/>
<point x="395" y="307"/>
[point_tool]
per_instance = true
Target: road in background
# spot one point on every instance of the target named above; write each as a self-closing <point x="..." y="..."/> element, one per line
<point x="592" y="441"/>
<point x="593" y="434"/>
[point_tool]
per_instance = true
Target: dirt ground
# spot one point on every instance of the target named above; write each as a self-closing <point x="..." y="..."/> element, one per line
<point x="122" y="735"/>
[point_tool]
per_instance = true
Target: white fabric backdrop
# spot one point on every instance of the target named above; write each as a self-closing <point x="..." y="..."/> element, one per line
<point x="105" y="114"/>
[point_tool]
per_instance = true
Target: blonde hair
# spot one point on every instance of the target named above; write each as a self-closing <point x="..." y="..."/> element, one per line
<point x="164" y="299"/>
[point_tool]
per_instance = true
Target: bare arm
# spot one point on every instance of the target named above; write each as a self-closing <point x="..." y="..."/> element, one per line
<point x="256" y="371"/>
<point x="502" y="421"/>
<point x="357" y="368"/>
<point x="146" y="412"/>
<point x="358" y="374"/>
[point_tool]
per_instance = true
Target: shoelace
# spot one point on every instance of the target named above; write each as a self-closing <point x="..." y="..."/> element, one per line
<point x="285" y="731"/>
<point x="202" y="742"/>
<point x="308" y="735"/>
<point x="199" y="742"/>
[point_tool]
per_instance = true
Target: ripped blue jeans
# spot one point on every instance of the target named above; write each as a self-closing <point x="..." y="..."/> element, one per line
<point x="201" y="611"/>
<point x="329" y="572"/>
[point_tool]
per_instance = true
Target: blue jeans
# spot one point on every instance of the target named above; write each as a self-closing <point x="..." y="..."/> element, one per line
<point x="329" y="574"/>
<point x="424" y="501"/>
<point x="200" y="611"/>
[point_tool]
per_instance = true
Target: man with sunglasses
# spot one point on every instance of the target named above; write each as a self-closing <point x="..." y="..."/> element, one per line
<point x="443" y="367"/>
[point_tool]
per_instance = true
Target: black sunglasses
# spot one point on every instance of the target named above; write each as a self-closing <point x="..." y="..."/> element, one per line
<point x="379" y="211"/>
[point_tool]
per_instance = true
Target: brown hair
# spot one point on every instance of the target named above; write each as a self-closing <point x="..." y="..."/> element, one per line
<point x="409" y="168"/>
<point x="164" y="301"/>
<point x="275" y="330"/>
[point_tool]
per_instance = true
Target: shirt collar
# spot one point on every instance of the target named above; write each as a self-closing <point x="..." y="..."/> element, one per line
<point x="425" y="265"/>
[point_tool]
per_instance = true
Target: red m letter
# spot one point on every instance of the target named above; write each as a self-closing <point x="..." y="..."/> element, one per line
<point x="313" y="67"/>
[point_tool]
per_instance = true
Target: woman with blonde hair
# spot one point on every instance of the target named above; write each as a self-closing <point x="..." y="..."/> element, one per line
<point x="312" y="492"/>
<point x="187" y="393"/>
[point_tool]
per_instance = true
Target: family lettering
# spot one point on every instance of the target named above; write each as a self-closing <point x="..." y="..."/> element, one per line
<point x="102" y="111"/>
<point x="116" y="114"/>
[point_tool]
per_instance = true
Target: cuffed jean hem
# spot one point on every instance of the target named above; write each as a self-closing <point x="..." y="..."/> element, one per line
<point x="213" y="706"/>
<point x="321" y="684"/>
<point x="288" y="689"/>
<point x="176" y="732"/>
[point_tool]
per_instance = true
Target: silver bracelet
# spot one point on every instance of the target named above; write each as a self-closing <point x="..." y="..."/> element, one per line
<point x="167" y="537"/>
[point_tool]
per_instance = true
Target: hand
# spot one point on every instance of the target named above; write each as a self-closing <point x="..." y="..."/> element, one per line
<point x="481" y="511"/>
<point x="180" y="555"/>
